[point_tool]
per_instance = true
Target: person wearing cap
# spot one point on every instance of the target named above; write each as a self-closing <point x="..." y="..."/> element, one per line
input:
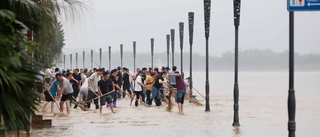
<point x="149" y="84"/>
<point x="138" y="88"/>
<point x="93" y="88"/>
<point x="181" y="90"/>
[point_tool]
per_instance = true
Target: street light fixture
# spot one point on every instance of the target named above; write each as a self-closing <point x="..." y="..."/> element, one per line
<point x="236" y="9"/>
<point x="168" y="49"/>
<point x="181" y="30"/>
<point x="191" y="25"/>
<point x="207" y="10"/>
<point x="152" y="49"/>
<point x="172" y="45"/>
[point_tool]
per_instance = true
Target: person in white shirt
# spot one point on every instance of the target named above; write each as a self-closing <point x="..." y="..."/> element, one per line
<point x="93" y="87"/>
<point x="83" y="93"/>
<point x="49" y="75"/>
<point x="84" y="76"/>
<point x="138" y="87"/>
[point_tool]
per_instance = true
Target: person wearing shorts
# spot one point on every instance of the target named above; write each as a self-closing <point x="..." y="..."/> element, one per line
<point x="181" y="90"/>
<point x="66" y="91"/>
<point x="105" y="85"/>
<point x="50" y="94"/>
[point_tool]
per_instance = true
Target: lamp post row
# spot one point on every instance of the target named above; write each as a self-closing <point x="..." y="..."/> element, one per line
<point x="207" y="11"/>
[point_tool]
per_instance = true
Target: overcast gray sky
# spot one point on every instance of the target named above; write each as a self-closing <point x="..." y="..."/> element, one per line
<point x="264" y="24"/>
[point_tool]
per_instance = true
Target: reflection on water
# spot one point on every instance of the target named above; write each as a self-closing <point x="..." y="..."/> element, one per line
<point x="237" y="131"/>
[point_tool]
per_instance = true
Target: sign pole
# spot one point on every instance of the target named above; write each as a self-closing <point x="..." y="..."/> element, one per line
<point x="291" y="97"/>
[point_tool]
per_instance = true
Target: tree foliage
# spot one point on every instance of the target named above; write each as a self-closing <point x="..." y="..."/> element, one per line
<point x="18" y="99"/>
<point x="18" y="69"/>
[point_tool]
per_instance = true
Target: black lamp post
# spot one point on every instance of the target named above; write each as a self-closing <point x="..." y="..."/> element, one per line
<point x="291" y="96"/>
<point x="83" y="55"/>
<point x="91" y="59"/>
<point x="64" y="62"/>
<point x="181" y="30"/>
<point x="168" y="49"/>
<point x="152" y="48"/>
<point x="134" y="56"/>
<point x="100" y="56"/>
<point x="191" y="24"/>
<point x="121" y="55"/>
<point x="172" y="45"/>
<point x="76" y="60"/>
<point x="207" y="8"/>
<point x="110" y="58"/>
<point x="236" y="9"/>
<point x="71" y="61"/>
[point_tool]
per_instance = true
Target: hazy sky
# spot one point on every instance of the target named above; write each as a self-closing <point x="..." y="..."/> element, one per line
<point x="264" y="24"/>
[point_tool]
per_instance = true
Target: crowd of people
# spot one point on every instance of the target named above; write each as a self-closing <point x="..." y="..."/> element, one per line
<point x="80" y="88"/>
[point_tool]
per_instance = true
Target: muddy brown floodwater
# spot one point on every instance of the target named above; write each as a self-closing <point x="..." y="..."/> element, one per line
<point x="263" y="112"/>
<point x="260" y="116"/>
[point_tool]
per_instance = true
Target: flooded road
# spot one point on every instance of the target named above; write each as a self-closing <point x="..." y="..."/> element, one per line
<point x="262" y="116"/>
<point x="263" y="112"/>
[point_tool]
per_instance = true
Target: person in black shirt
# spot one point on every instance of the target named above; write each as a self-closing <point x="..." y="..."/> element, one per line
<point x="156" y="87"/>
<point x="126" y="82"/>
<point x="75" y="81"/>
<point x="144" y="75"/>
<point x="114" y="79"/>
<point x="105" y="85"/>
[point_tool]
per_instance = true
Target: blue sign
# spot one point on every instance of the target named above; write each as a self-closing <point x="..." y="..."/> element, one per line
<point x="303" y="5"/>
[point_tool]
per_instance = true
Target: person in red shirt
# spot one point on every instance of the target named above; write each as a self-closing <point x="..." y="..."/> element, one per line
<point x="181" y="90"/>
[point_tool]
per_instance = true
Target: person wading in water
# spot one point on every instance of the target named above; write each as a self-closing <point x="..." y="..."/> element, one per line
<point x="181" y="90"/>
<point x="138" y="88"/>
<point x="105" y="85"/>
<point x="149" y="84"/>
<point x="66" y="91"/>
<point x="156" y="87"/>
<point x="93" y="88"/>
